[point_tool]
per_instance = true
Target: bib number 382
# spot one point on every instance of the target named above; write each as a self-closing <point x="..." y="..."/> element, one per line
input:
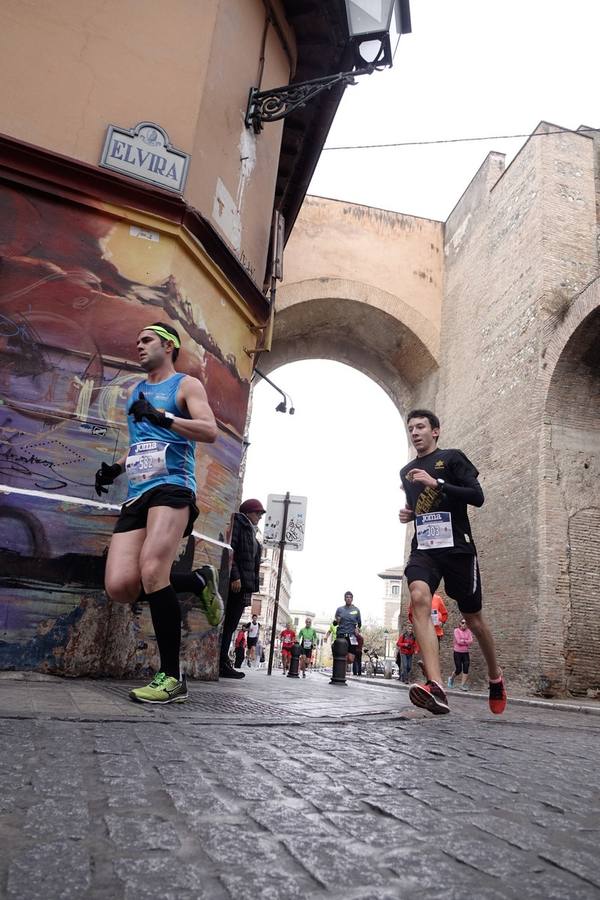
<point x="434" y="531"/>
<point x="146" y="460"/>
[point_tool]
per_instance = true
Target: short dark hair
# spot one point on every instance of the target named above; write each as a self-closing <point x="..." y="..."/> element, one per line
<point x="175" y="334"/>
<point x="424" y="414"/>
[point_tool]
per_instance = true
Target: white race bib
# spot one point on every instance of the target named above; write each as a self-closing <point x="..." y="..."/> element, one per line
<point x="353" y="639"/>
<point x="146" y="460"/>
<point x="307" y="644"/>
<point x="434" y="531"/>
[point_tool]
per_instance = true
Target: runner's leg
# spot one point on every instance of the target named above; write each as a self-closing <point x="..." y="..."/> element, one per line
<point x="122" y="579"/>
<point x="420" y="601"/>
<point x="234" y="609"/>
<point x="482" y="632"/>
<point x="164" y="531"/>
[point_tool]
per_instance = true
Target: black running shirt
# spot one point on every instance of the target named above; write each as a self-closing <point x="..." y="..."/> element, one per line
<point x="441" y="521"/>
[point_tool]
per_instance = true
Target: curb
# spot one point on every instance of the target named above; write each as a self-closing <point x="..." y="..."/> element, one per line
<point x="513" y="701"/>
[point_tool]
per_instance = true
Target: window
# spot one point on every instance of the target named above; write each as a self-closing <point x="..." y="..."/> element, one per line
<point x="261" y="579"/>
<point x="395" y="590"/>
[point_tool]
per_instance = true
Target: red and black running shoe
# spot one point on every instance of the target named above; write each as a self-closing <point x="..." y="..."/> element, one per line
<point x="430" y="696"/>
<point x="497" y="699"/>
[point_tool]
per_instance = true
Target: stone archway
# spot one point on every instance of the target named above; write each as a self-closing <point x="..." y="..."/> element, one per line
<point x="358" y="324"/>
<point x="363" y="286"/>
<point x="570" y="610"/>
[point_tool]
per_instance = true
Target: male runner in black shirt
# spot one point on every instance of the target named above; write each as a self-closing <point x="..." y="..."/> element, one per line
<point x="439" y="484"/>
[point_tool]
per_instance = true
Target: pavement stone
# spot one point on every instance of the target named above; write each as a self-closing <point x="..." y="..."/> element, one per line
<point x="261" y="790"/>
<point x="57" y="869"/>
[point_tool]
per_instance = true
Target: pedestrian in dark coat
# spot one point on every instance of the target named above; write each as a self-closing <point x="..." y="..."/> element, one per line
<point x="243" y="580"/>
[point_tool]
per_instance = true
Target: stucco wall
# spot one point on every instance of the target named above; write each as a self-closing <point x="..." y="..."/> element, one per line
<point x="362" y="286"/>
<point x="70" y="69"/>
<point x="402" y="255"/>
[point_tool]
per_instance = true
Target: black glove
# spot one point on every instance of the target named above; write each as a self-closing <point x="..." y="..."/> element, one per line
<point x="143" y="409"/>
<point x="106" y="475"/>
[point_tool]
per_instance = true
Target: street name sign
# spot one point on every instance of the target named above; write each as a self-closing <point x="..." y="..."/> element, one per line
<point x="144" y="152"/>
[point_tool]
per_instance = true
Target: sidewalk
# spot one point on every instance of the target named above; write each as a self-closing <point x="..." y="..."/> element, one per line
<point x="282" y="788"/>
<point x="589" y="707"/>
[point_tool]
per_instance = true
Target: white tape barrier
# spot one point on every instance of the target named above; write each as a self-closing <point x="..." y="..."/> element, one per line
<point x="94" y="504"/>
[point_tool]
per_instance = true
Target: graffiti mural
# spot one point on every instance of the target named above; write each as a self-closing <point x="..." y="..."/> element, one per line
<point x="77" y="284"/>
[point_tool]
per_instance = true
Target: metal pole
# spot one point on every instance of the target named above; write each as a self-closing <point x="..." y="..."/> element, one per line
<point x="286" y="505"/>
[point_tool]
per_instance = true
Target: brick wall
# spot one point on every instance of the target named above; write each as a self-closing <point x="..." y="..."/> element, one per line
<point x="518" y="242"/>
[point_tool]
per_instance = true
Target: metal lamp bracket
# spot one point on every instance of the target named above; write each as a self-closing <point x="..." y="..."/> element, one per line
<point x="279" y="102"/>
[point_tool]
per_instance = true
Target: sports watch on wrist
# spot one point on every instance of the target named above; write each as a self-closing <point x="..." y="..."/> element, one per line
<point x="440" y="482"/>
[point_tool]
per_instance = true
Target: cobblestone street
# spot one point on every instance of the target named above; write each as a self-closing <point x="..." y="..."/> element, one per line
<point x="273" y="789"/>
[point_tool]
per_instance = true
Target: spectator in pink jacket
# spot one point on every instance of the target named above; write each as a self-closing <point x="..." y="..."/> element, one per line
<point x="463" y="638"/>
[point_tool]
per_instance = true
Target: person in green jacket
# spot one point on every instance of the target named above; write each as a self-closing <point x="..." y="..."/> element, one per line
<point x="307" y="638"/>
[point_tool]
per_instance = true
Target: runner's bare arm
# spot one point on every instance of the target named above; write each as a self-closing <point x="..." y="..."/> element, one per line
<point x="202" y="426"/>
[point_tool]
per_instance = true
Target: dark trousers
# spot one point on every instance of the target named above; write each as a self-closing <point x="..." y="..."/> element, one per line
<point x="236" y="604"/>
<point x="357" y="664"/>
<point x="239" y="657"/>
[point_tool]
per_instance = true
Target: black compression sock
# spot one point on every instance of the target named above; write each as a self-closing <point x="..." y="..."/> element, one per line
<point x="190" y="583"/>
<point x="136" y="606"/>
<point x="166" y="619"/>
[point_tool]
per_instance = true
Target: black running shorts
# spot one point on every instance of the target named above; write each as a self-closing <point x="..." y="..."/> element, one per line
<point x="352" y="648"/>
<point x="134" y="515"/>
<point x="307" y="652"/>
<point x="460" y="572"/>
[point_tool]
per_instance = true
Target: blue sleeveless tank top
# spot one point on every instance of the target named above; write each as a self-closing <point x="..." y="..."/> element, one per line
<point x="158" y="455"/>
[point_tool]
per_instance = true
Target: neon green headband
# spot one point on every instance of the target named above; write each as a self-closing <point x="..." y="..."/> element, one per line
<point x="163" y="333"/>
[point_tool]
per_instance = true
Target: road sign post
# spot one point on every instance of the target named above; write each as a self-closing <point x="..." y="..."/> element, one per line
<point x="284" y="527"/>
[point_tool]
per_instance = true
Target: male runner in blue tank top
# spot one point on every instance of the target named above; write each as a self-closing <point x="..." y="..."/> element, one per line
<point x="167" y="414"/>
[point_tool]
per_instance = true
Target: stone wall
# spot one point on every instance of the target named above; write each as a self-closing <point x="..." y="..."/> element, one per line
<point x="513" y="374"/>
<point x="518" y="246"/>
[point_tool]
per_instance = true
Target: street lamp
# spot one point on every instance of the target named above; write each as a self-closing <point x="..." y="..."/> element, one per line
<point x="282" y="405"/>
<point x="374" y="29"/>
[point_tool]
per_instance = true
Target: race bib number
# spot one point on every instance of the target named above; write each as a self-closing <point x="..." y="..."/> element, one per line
<point x="307" y="644"/>
<point x="434" y="531"/>
<point x="435" y="617"/>
<point x="353" y="639"/>
<point x="146" y="460"/>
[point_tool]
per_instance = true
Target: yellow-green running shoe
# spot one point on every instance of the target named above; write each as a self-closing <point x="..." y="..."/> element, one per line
<point x="210" y="601"/>
<point x="162" y="689"/>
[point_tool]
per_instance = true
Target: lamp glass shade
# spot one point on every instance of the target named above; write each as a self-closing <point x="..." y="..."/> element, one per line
<point x="369" y="51"/>
<point x="366" y="17"/>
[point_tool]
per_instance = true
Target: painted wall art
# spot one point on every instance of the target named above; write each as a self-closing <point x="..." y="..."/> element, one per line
<point x="77" y="284"/>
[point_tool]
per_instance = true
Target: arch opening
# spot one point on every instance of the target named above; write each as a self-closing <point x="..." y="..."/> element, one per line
<point x="572" y="489"/>
<point x="357" y="333"/>
<point x="343" y="449"/>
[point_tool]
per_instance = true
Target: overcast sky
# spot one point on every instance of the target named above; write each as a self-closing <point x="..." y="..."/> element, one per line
<point x="470" y="68"/>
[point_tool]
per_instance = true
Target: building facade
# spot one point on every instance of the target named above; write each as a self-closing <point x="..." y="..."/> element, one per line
<point x="131" y="191"/>
<point x="392" y="597"/>
<point x="263" y="602"/>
